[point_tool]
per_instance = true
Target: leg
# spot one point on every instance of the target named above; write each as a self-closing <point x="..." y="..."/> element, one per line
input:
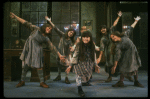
<point x="23" y="76"/>
<point x="40" y="73"/>
<point x="66" y="79"/>
<point x="122" y="77"/>
<point x="59" y="72"/>
<point x="129" y="78"/>
<point x="109" y="79"/>
<point x="24" y="72"/>
<point x="136" y="82"/>
<point x="120" y="83"/>
<point x="79" y="85"/>
<point x="85" y="81"/>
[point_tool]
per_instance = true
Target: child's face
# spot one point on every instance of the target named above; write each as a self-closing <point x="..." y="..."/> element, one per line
<point x="48" y="29"/>
<point x="86" y="40"/>
<point x="70" y="33"/>
<point x="115" y="38"/>
<point x="103" y="30"/>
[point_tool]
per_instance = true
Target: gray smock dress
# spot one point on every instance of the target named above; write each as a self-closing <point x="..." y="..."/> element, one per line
<point x="32" y="54"/>
<point x="127" y="55"/>
<point x="105" y="46"/>
<point x="83" y="68"/>
<point x="64" y="47"/>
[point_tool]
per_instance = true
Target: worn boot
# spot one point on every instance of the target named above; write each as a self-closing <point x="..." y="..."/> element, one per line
<point x="109" y="79"/>
<point x="129" y="78"/>
<point x="57" y="78"/>
<point x="21" y="83"/>
<point x="80" y="91"/>
<point x="67" y="81"/>
<point x="136" y="83"/>
<point x="44" y="85"/>
<point x="118" y="84"/>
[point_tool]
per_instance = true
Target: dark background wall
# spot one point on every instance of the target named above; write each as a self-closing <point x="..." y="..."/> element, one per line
<point x="107" y="13"/>
<point x="140" y="32"/>
<point x="100" y="12"/>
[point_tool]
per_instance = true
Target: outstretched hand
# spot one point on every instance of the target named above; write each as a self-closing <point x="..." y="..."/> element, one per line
<point x="113" y="70"/>
<point x="137" y="18"/>
<point x="49" y="19"/>
<point x="97" y="69"/>
<point x="120" y="13"/>
<point x="62" y="58"/>
<point x="72" y="49"/>
<point x="12" y="15"/>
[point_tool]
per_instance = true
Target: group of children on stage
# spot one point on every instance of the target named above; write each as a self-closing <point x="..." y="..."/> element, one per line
<point x="120" y="53"/>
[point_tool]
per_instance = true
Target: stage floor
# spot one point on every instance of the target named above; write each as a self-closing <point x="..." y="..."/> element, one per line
<point x="59" y="89"/>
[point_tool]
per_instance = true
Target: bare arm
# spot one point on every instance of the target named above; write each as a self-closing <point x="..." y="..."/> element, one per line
<point x="116" y="21"/>
<point x="49" y="20"/>
<point x="12" y="15"/>
<point x="75" y="44"/>
<point x="136" y="21"/>
<point x="60" y="33"/>
<point x="114" y="67"/>
<point x="100" y="57"/>
<point x="24" y="22"/>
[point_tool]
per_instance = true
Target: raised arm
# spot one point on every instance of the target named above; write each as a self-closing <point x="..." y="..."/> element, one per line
<point x="129" y="31"/>
<point x="135" y="22"/>
<point x="60" y="33"/>
<point x="13" y="16"/>
<point x="24" y="22"/>
<point x="116" y="21"/>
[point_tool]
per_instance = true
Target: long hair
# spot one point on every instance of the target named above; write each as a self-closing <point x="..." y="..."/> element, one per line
<point x="73" y="37"/>
<point x="116" y="33"/>
<point x="82" y="48"/>
<point x="43" y="29"/>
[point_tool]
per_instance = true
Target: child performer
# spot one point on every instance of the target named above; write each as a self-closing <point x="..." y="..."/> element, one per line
<point x="106" y="45"/>
<point x="84" y="59"/>
<point x="67" y="40"/>
<point x="32" y="54"/>
<point x="126" y="56"/>
<point x="83" y="28"/>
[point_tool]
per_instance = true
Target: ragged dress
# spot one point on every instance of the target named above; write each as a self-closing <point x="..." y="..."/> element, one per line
<point x="106" y="45"/>
<point x="83" y="68"/>
<point x="64" y="47"/>
<point x="32" y="54"/>
<point x="127" y="55"/>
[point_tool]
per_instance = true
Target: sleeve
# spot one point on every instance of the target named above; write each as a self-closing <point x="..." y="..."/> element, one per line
<point x="30" y="26"/>
<point x="74" y="59"/>
<point x="95" y="62"/>
<point x="60" y="33"/>
<point x="112" y="29"/>
<point x="96" y="47"/>
<point x="102" y="44"/>
<point x="117" y="55"/>
<point x="129" y="31"/>
<point x="52" y="48"/>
